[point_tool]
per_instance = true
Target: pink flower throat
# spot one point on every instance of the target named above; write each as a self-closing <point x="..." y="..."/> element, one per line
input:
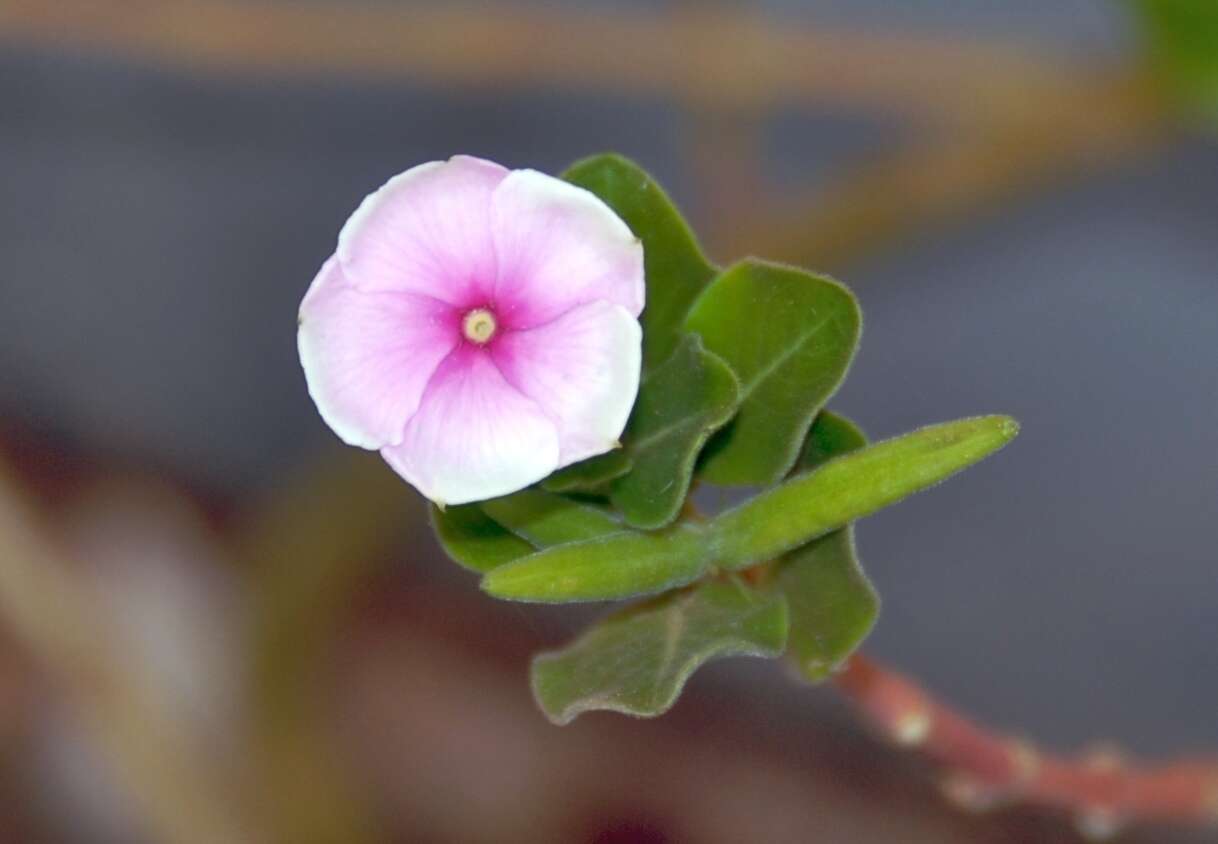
<point x="479" y="326"/>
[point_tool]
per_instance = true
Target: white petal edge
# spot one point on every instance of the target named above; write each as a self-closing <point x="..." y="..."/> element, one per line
<point x="427" y="230"/>
<point x="560" y="246"/>
<point x="368" y="356"/>
<point x="583" y="370"/>
<point x="474" y="436"/>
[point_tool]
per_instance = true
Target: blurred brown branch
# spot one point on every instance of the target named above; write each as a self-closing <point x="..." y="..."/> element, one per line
<point x="986" y="770"/>
<point x="185" y="800"/>
<point x="696" y="54"/>
<point x="1077" y="130"/>
<point x="1019" y="118"/>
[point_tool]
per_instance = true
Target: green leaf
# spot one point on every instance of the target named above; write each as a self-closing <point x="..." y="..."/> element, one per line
<point x="591" y="475"/>
<point x="616" y="566"/>
<point x="790" y="337"/>
<point x="811" y="504"/>
<point x="831" y="436"/>
<point x="475" y="540"/>
<point x="800" y="510"/>
<point x="637" y="661"/>
<point x="1182" y="42"/>
<point x="832" y="604"/>
<point x="545" y="519"/>
<point x="680" y="404"/>
<point x="675" y="266"/>
<point x="492" y="533"/>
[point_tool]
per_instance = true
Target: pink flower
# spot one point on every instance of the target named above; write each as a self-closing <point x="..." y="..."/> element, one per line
<point x="478" y="326"/>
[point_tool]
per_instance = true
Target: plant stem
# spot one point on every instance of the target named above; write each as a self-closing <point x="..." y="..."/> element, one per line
<point x="1102" y="790"/>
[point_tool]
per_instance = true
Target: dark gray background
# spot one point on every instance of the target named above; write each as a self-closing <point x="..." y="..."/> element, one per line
<point x="158" y="229"/>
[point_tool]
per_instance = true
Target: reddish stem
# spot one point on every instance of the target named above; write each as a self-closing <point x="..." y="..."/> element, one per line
<point x="1101" y="789"/>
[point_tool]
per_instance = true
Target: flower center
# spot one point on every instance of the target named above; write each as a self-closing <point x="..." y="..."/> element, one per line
<point x="479" y="326"/>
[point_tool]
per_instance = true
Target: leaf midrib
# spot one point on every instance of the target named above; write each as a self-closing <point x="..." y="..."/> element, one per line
<point x="698" y="420"/>
<point x="749" y="387"/>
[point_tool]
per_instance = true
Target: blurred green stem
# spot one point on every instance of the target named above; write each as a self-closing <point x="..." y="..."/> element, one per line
<point x="309" y="551"/>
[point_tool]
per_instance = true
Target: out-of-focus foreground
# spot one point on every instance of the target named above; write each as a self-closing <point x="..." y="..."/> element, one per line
<point x="218" y="625"/>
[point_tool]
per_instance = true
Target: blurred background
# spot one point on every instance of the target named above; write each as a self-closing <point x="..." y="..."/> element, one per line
<point x="217" y="624"/>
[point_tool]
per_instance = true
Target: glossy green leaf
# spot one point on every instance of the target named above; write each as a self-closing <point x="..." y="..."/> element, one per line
<point x="676" y="268"/>
<point x="637" y="661"/>
<point x="790" y="337"/>
<point x="545" y="519"/>
<point x="1182" y="41"/>
<point x="832" y="604"/>
<point x="811" y="504"/>
<point x="474" y="540"/>
<point x="612" y="567"/>
<point x="688" y="397"/>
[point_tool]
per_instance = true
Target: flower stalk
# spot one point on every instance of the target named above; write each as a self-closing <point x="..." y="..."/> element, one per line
<point x="1102" y="790"/>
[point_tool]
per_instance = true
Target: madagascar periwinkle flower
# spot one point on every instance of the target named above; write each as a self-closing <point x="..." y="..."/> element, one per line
<point x="478" y="326"/>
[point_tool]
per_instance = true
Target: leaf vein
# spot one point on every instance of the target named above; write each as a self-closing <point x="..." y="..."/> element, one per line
<point x="747" y="388"/>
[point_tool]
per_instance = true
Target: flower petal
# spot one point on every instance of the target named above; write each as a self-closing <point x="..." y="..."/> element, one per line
<point x="368" y="355"/>
<point x="583" y="369"/>
<point x="474" y="436"/>
<point x="427" y="230"/>
<point x="560" y="246"/>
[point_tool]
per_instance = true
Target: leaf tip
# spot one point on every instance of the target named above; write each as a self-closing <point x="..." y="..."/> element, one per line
<point x="500" y="583"/>
<point x="1007" y="426"/>
<point x="521" y="580"/>
<point x="493" y="582"/>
